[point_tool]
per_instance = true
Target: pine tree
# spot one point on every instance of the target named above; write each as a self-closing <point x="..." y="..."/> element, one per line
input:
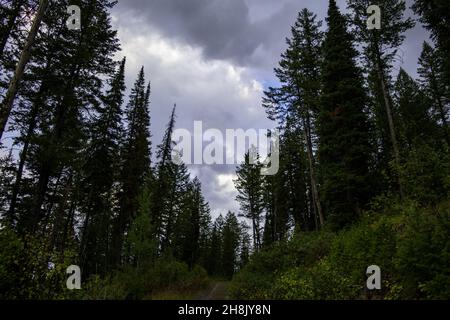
<point x="135" y="163"/>
<point x="214" y="261"/>
<point x="250" y="194"/>
<point x="8" y="100"/>
<point x="164" y="193"/>
<point x="9" y="12"/>
<point x="101" y="174"/>
<point x="244" y="245"/>
<point x="7" y="170"/>
<point x="295" y="199"/>
<point x="297" y="98"/>
<point x="193" y="217"/>
<point x="431" y="72"/>
<point x="141" y="241"/>
<point x="230" y="236"/>
<point x="173" y="202"/>
<point x="435" y="15"/>
<point x="380" y="48"/>
<point x="344" y="148"/>
<point x="87" y="56"/>
<point x="414" y="112"/>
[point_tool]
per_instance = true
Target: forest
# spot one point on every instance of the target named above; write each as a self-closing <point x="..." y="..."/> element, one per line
<point x="364" y="175"/>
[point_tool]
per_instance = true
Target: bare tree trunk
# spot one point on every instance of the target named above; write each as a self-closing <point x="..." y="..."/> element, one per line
<point x="387" y="103"/>
<point x="312" y="176"/>
<point x="24" y="58"/>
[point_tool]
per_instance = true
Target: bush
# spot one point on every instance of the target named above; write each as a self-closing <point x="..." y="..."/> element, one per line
<point x="321" y="282"/>
<point x="25" y="272"/>
<point x="423" y="258"/>
<point x="146" y="281"/>
<point x="410" y="243"/>
<point x="363" y="245"/>
<point x="256" y="279"/>
<point x="426" y="174"/>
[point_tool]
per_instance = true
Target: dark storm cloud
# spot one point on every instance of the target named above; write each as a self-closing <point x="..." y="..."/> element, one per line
<point x="246" y="32"/>
<point x="215" y="25"/>
<point x="225" y="29"/>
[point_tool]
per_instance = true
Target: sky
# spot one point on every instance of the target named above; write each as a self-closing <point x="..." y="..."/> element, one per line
<point x="214" y="58"/>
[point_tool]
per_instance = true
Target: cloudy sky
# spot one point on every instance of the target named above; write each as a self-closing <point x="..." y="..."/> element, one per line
<point x="213" y="58"/>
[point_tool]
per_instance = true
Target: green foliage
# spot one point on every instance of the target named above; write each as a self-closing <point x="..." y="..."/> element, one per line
<point x="146" y="281"/>
<point x="141" y="240"/>
<point x="423" y="256"/>
<point x="426" y="174"/>
<point x="256" y="279"/>
<point x="249" y="184"/>
<point x="343" y="126"/>
<point x="408" y="242"/>
<point x="318" y="283"/>
<point x="26" y="270"/>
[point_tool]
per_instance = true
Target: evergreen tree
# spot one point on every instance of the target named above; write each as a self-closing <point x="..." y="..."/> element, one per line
<point x="189" y="231"/>
<point x="7" y="170"/>
<point x="101" y="174"/>
<point x="295" y="200"/>
<point x="135" y="162"/>
<point x="435" y="15"/>
<point x="413" y="109"/>
<point x="86" y="57"/>
<point x="380" y="47"/>
<point x="250" y="194"/>
<point x="343" y="126"/>
<point x="297" y="98"/>
<point x="10" y="14"/>
<point x="141" y="241"/>
<point x="165" y="185"/>
<point x="431" y="72"/>
<point x="214" y="263"/>
<point x="8" y="100"/>
<point x="244" y="245"/>
<point x="230" y="236"/>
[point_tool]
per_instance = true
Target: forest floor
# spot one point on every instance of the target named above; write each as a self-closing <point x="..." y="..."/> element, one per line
<point x="217" y="291"/>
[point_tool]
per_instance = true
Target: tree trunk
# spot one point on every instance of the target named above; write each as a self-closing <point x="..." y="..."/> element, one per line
<point x="387" y="103"/>
<point x="312" y="176"/>
<point x="8" y="101"/>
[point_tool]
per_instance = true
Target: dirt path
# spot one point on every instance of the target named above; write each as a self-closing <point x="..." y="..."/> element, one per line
<point x="217" y="292"/>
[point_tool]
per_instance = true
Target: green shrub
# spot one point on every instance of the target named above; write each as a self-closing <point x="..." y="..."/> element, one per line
<point x="423" y="258"/>
<point x="363" y="245"/>
<point x="143" y="282"/>
<point x="256" y="279"/>
<point x="320" y="282"/>
<point x="410" y="244"/>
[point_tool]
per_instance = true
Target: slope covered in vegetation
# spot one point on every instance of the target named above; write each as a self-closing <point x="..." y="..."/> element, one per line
<point x="410" y="243"/>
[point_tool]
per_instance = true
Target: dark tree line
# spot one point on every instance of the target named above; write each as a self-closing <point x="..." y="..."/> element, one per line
<point x="354" y="127"/>
<point x="78" y="185"/>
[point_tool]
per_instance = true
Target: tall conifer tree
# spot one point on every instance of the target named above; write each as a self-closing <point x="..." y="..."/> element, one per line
<point x="344" y="148"/>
